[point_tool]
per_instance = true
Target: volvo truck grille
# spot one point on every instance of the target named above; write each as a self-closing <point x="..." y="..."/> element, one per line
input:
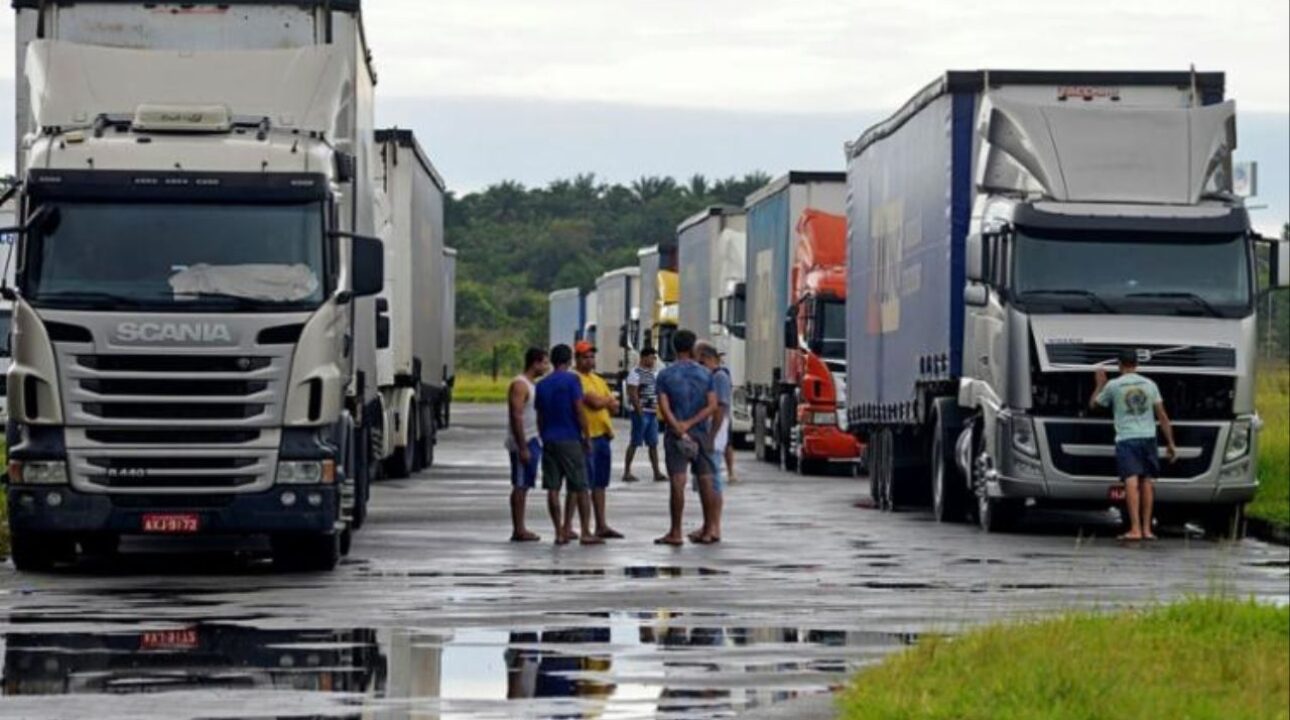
<point x="1164" y="356"/>
<point x="1087" y="449"/>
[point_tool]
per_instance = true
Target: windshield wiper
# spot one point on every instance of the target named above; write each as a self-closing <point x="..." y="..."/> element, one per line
<point x="1204" y="304"/>
<point x="1092" y="297"/>
<point x="87" y="296"/>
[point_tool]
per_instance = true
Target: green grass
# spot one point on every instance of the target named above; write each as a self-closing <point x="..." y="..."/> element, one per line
<point x="480" y="389"/>
<point x="1273" y="400"/>
<point x="1203" y="658"/>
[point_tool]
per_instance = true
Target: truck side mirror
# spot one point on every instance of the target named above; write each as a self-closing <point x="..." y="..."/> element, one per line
<point x="1279" y="264"/>
<point x="790" y="333"/>
<point x="976" y="295"/>
<point x="382" y="323"/>
<point x="368" y="277"/>
<point x="977" y="251"/>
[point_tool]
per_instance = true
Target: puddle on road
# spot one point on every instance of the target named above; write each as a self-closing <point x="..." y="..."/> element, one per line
<point x="615" y="665"/>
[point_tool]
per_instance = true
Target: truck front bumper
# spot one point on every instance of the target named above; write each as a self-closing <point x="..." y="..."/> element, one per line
<point x="829" y="443"/>
<point x="34" y="509"/>
<point x="1076" y="464"/>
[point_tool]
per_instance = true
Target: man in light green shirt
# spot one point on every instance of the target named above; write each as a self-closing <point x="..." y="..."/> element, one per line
<point x="1137" y="406"/>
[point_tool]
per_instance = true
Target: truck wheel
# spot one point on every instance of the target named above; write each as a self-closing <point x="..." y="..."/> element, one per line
<point x="948" y="489"/>
<point x="1225" y="522"/>
<point x="763" y="448"/>
<point x="784" y="434"/>
<point x="307" y="553"/>
<point x="346" y="540"/>
<point x="402" y="463"/>
<point x="39" y="552"/>
<point x="358" y="465"/>
<point x="880" y="470"/>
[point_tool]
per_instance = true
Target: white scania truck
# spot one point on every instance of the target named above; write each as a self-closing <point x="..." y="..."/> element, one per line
<point x="1011" y="232"/>
<point x="194" y="308"/>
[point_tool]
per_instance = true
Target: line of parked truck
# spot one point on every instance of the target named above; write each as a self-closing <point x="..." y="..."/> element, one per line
<point x="231" y="302"/>
<point x="937" y="310"/>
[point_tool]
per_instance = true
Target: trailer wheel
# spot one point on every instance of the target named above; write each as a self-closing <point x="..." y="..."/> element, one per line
<point x="39" y="552"/>
<point x="880" y="470"/>
<point x="307" y="553"/>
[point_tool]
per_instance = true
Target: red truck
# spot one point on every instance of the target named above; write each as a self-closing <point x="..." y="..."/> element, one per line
<point x="815" y="335"/>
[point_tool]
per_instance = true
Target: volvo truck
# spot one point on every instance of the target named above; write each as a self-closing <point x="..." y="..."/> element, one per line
<point x="194" y="305"/>
<point x="411" y="340"/>
<point x="660" y="298"/>
<point x="618" y="296"/>
<point x="565" y="317"/>
<point x="1013" y="232"/>
<point x="771" y="386"/>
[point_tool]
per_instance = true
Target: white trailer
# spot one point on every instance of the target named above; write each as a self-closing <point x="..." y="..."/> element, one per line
<point x="565" y="317"/>
<point x="590" y="318"/>
<point x="449" y="332"/>
<point x="163" y="137"/>
<point x="413" y="358"/>
<point x="618" y="295"/>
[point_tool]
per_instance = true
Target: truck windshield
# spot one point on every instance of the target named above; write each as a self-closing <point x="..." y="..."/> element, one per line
<point x="831" y="333"/>
<point x="6" y="322"/>
<point x="1153" y="274"/>
<point x="177" y="257"/>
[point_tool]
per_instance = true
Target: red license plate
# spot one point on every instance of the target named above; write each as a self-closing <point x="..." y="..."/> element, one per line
<point x="1116" y="493"/>
<point x="169" y="640"/>
<point x="171" y="523"/>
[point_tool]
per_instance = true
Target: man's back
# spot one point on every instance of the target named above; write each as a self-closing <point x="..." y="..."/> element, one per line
<point x="686" y="385"/>
<point x="1132" y="399"/>
<point x="558" y="397"/>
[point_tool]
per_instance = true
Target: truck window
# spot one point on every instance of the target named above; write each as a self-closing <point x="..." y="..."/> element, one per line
<point x="6" y="323"/>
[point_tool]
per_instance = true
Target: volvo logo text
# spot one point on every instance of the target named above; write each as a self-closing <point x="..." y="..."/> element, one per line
<point x="159" y="332"/>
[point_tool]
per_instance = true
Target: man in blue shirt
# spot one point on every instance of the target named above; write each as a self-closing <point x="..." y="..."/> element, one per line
<point x="1137" y="406"/>
<point x="565" y="444"/>
<point x="686" y="399"/>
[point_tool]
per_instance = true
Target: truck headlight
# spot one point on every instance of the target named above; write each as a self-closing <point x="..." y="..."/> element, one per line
<point x="1023" y="436"/>
<point x="307" y="472"/>
<point x="821" y="418"/>
<point x="1238" y="441"/>
<point x="38" y="472"/>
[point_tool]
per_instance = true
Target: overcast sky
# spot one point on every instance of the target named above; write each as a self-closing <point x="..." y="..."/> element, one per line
<point x="463" y="71"/>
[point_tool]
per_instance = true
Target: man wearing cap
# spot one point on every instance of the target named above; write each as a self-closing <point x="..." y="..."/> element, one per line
<point x="1137" y="406"/>
<point x="598" y="405"/>
<point x="642" y="398"/>
<point x="562" y="427"/>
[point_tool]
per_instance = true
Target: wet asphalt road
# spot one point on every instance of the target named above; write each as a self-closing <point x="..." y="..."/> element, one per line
<point x="435" y="615"/>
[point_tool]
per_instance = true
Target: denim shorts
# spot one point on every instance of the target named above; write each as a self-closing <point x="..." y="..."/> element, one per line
<point x="718" y="461"/>
<point x="1139" y="457"/>
<point x="524" y="477"/>
<point x="600" y="463"/>
<point x="644" y="429"/>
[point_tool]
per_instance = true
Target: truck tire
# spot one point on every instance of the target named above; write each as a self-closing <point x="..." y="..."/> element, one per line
<point x="763" y="448"/>
<point x="1225" y="522"/>
<point x="307" y="553"/>
<point x="949" y="489"/>
<point x="358" y="465"/>
<point x="39" y="552"/>
<point x="402" y="463"/>
<point x="882" y="472"/>
<point x="993" y="515"/>
<point x="784" y="433"/>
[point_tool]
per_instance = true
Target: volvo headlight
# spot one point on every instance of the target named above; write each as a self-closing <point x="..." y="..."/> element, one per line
<point x="1023" y="436"/>
<point x="1238" y="441"/>
<point x="307" y="472"/>
<point x="38" y="472"/>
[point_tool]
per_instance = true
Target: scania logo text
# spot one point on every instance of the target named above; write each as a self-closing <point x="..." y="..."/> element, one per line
<point x="159" y="332"/>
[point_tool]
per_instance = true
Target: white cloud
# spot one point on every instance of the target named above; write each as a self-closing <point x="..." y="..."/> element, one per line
<point x="808" y="55"/>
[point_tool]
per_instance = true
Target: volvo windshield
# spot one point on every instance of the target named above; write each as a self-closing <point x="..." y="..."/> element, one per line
<point x="1139" y="273"/>
<point x="177" y="257"/>
<point x="830" y="339"/>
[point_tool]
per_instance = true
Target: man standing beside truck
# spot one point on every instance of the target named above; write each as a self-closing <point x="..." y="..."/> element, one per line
<point x="597" y="405"/>
<point x="1136" y="403"/>
<point x="563" y="429"/>
<point x="686" y="400"/>
<point x="642" y="397"/>
<point x="522" y="441"/>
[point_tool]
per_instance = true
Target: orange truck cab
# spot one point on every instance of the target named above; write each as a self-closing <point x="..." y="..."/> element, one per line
<point x="815" y="336"/>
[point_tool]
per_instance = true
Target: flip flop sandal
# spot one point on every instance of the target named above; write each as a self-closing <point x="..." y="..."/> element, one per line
<point x="665" y="541"/>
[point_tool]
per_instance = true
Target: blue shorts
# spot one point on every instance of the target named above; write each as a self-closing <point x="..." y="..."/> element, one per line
<point x="1138" y="457"/>
<point x="718" y="476"/>
<point x="600" y="463"/>
<point x="524" y="477"/>
<point x="644" y="430"/>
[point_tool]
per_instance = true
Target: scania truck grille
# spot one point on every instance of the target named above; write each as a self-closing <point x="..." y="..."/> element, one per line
<point x="194" y="389"/>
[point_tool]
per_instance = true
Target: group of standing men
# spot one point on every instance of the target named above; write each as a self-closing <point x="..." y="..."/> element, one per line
<point x="560" y="424"/>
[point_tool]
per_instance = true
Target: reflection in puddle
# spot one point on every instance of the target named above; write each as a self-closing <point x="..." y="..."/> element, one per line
<point x="618" y="665"/>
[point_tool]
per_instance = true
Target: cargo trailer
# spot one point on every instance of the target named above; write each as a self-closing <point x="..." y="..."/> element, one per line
<point x="565" y="317"/>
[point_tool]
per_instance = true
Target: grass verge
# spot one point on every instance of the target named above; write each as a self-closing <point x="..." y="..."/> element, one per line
<point x="1202" y="658"/>
<point x="1273" y="400"/>
<point x="480" y="389"/>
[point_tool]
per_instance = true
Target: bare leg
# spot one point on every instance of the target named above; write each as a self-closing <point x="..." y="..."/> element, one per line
<point x="730" y="462"/>
<point x="706" y="494"/>
<point x="1148" y="506"/>
<point x="570" y="505"/>
<point x="676" y="505"/>
<point x="1135" y="517"/>
<point x="584" y="517"/>
<point x="653" y="461"/>
<point x="519" y="531"/>
<point x="627" y="463"/>
<point x="553" y="507"/>
<point x="718" y="507"/>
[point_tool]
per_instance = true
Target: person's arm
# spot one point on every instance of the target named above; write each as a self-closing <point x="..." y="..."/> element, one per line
<point x="1097" y="400"/>
<point x="1166" y="427"/>
<point x="596" y="401"/>
<point x="634" y="397"/>
<point x="708" y="411"/>
<point x="516" y="398"/>
<point x="665" y="409"/>
<point x="579" y="401"/>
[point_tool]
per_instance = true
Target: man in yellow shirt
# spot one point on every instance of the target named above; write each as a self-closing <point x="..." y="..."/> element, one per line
<point x="598" y="405"/>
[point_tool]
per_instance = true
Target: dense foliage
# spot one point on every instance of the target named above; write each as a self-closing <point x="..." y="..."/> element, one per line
<point x="517" y="244"/>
